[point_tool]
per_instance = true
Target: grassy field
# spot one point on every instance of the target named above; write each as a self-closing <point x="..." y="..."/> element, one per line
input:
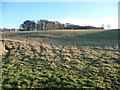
<point x="61" y="59"/>
<point x="69" y="37"/>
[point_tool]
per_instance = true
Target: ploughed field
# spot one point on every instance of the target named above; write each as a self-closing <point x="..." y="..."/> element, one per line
<point x="61" y="59"/>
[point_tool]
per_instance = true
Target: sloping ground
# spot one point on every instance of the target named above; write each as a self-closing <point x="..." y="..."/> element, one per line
<point x="77" y="38"/>
<point x="37" y="65"/>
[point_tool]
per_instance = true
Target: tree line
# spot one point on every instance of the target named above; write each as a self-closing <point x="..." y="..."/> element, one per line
<point x="29" y="25"/>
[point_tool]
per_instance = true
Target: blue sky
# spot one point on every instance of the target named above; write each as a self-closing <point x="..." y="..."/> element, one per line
<point x="81" y="13"/>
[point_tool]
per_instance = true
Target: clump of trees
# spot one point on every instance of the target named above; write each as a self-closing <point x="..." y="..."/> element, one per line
<point x="41" y="25"/>
<point x="29" y="25"/>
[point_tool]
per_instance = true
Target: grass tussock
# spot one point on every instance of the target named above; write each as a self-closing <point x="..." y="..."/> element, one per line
<point x="38" y="65"/>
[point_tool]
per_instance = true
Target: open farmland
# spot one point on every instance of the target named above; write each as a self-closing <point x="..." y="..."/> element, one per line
<point x="61" y="59"/>
<point x="68" y="37"/>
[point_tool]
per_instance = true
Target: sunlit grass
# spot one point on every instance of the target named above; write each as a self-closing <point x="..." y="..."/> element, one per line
<point x="61" y="59"/>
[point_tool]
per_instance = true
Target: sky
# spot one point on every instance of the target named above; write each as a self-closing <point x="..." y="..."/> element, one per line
<point x="79" y="13"/>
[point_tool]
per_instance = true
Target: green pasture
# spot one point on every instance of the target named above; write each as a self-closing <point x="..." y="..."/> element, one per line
<point x="68" y="37"/>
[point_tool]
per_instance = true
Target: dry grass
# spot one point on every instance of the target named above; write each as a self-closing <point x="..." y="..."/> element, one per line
<point x="32" y="63"/>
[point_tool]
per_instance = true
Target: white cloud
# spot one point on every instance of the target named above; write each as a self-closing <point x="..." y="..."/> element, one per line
<point x="112" y="21"/>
